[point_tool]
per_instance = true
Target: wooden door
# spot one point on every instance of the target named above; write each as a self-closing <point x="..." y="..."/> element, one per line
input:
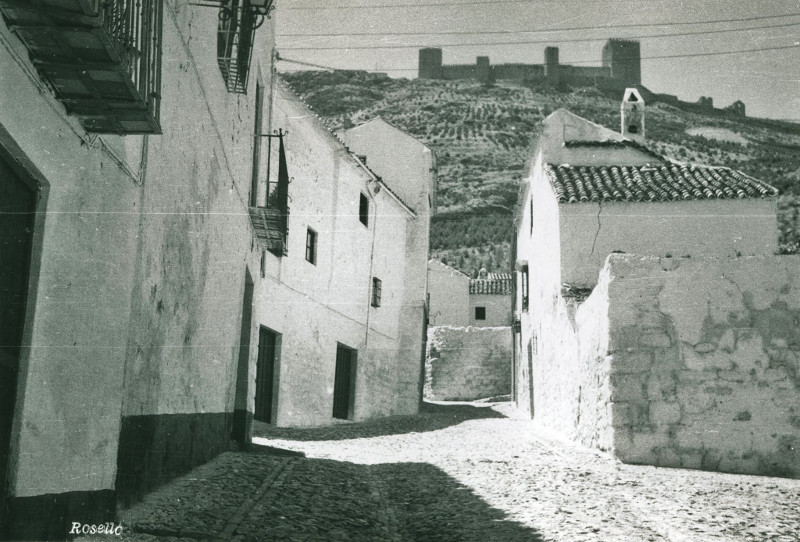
<point x="265" y="374"/>
<point x="344" y="383"/>
<point x="17" y="212"/>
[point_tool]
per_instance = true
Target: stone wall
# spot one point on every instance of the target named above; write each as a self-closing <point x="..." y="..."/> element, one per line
<point x="706" y="362"/>
<point x="466" y="363"/>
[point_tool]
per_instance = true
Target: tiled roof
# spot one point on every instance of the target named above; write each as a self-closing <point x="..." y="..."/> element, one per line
<point x="662" y="182"/>
<point x="499" y="276"/>
<point x="267" y="227"/>
<point x="501" y="286"/>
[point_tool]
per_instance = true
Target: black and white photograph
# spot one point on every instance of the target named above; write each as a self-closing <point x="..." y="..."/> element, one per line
<point x="400" y="270"/>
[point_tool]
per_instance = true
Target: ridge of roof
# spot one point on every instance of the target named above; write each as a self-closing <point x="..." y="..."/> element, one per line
<point x="615" y="143"/>
<point x="441" y="263"/>
<point x="492" y="286"/>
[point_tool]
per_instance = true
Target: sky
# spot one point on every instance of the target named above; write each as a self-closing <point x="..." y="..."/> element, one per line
<point x="376" y="35"/>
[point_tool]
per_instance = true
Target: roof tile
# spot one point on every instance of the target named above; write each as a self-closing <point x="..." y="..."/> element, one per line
<point x="664" y="182"/>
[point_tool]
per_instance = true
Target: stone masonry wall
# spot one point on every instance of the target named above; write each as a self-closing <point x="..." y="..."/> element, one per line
<point x="466" y="363"/>
<point x="705" y="369"/>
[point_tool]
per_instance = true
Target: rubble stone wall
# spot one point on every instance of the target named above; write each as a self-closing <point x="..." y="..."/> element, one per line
<point x="706" y="362"/>
<point x="466" y="363"/>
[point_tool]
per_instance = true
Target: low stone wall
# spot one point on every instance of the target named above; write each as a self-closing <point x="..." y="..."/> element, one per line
<point x="705" y="369"/>
<point x="466" y="363"/>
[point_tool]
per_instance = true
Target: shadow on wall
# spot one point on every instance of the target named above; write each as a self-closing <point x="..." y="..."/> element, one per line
<point x="432" y="417"/>
<point x="322" y="500"/>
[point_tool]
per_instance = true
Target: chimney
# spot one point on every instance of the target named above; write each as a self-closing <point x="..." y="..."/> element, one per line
<point x="632" y="113"/>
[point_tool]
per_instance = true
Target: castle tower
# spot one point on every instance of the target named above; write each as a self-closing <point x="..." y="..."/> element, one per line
<point x="632" y="113"/>
<point x="483" y="70"/>
<point x="552" y="70"/>
<point x="430" y="63"/>
<point x="624" y="59"/>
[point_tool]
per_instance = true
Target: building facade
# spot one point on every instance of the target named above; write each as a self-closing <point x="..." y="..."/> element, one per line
<point x="129" y="249"/>
<point x="626" y="262"/>
<point x="343" y="307"/>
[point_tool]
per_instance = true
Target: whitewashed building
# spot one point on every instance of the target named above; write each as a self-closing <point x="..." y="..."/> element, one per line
<point x="130" y="135"/>
<point x="342" y="303"/>
<point x="652" y="313"/>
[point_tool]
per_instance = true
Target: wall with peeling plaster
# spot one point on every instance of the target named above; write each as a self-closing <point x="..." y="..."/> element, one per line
<point x="706" y="362"/>
<point x="468" y="363"/>
<point x="678" y="362"/>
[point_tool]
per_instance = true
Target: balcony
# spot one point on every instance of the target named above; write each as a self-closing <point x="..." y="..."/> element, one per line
<point x="236" y="31"/>
<point x="102" y="58"/>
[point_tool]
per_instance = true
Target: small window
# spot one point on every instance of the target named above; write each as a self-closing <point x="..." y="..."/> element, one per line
<point x="531" y="217"/>
<point x="311" y="246"/>
<point x="525" y="286"/>
<point x="480" y="313"/>
<point x="376" y="292"/>
<point x="363" y="209"/>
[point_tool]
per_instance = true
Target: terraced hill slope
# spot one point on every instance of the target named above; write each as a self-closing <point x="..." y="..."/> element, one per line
<point x="481" y="135"/>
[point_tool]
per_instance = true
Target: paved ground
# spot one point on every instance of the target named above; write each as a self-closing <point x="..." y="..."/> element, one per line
<point x="458" y="472"/>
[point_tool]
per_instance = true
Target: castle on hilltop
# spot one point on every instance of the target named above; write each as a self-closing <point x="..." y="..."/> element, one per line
<point x="621" y="68"/>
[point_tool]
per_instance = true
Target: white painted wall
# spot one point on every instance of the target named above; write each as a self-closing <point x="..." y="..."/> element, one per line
<point x="498" y="310"/>
<point x="143" y="272"/>
<point x="725" y="228"/>
<point x="316" y="306"/>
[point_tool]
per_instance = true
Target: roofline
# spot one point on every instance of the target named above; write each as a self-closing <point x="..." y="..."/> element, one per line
<point x="380" y="118"/>
<point x="314" y="119"/>
<point x="440" y="262"/>
<point x="376" y="179"/>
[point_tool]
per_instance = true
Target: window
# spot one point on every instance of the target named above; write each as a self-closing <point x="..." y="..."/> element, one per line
<point x="363" y="209"/>
<point x="531" y="216"/>
<point x="376" y="292"/>
<point x="480" y="313"/>
<point x="525" y="287"/>
<point x="311" y="246"/>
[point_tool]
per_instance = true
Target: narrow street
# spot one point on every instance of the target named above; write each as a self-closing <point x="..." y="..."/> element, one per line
<point x="457" y="472"/>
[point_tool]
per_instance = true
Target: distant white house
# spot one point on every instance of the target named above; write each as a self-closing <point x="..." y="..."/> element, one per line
<point x="457" y="300"/>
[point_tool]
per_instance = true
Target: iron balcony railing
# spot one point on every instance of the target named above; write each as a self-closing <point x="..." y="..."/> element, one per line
<point x="101" y="57"/>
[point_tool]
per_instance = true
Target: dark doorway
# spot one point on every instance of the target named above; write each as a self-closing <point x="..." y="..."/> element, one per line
<point x="17" y="214"/>
<point x="242" y="419"/>
<point x="268" y="351"/>
<point x="344" y="382"/>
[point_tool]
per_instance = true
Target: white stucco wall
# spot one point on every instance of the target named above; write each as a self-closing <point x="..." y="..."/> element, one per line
<point x="449" y="295"/>
<point x="725" y="228"/>
<point x="316" y="306"/>
<point x="138" y="298"/>
<point x="498" y="310"/>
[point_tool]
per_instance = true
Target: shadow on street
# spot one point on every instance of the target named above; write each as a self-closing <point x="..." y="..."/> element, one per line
<point x="322" y="500"/>
<point x="432" y="417"/>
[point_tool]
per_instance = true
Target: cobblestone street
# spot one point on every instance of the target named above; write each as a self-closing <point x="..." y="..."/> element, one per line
<point x="466" y="472"/>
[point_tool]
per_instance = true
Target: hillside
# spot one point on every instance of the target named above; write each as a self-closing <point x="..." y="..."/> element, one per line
<point x="481" y="135"/>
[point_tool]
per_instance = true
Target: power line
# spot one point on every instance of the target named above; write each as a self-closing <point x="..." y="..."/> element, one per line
<point x="533" y="42"/>
<point x="418" y="5"/>
<point x="660" y="57"/>
<point x="569" y="29"/>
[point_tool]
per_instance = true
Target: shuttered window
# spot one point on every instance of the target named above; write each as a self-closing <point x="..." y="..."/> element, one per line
<point x="377" y="286"/>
